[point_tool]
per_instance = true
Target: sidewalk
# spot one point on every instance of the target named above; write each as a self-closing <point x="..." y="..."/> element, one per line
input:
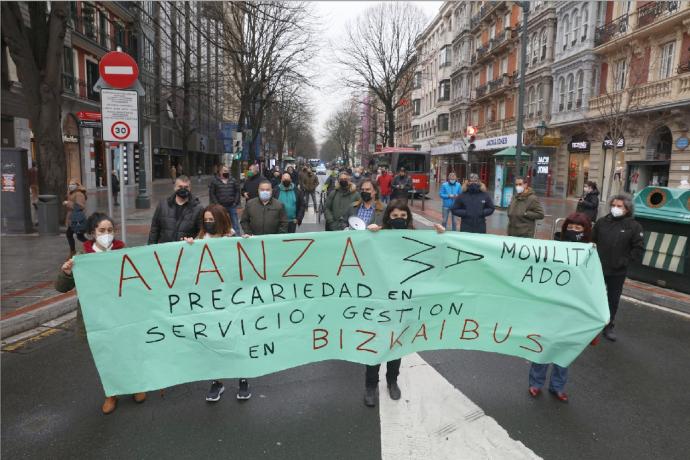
<point x="555" y="208"/>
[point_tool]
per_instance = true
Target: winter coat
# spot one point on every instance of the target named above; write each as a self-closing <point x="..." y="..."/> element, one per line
<point x="377" y="217"/>
<point x="275" y="181"/>
<point x="337" y="205"/>
<point x="251" y="186"/>
<point x="309" y="182"/>
<point x="401" y="186"/>
<point x="448" y="189"/>
<point x="473" y="208"/>
<point x="523" y="212"/>
<point x="299" y="198"/>
<point x="165" y="227"/>
<point x="115" y="186"/>
<point x="589" y="204"/>
<point x="619" y="240"/>
<point x="264" y="219"/>
<point x="385" y="181"/>
<point x="357" y="180"/>
<point x="224" y="194"/>
<point x="77" y="197"/>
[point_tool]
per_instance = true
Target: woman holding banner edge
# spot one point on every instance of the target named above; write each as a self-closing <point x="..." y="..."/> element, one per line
<point x="102" y="230"/>
<point x="397" y="216"/>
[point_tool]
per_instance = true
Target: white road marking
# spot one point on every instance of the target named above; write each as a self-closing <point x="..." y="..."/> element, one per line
<point x="658" y="307"/>
<point x="434" y="420"/>
<point x="119" y="70"/>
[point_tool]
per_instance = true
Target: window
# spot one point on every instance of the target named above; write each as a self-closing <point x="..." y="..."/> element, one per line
<point x="502" y="109"/>
<point x="585" y="23"/>
<point x="492" y="31"/>
<point x="417" y="80"/>
<point x="580" y="88"/>
<point x="412" y="161"/>
<point x="444" y="90"/>
<point x="535" y="48"/>
<point x="489" y="72"/>
<point x="595" y="85"/>
<point x="91" y="79"/>
<point x="487" y="114"/>
<point x="529" y="52"/>
<point x="504" y="65"/>
<point x="561" y="94"/>
<point x="103" y="29"/>
<point x="571" y="91"/>
<point x="531" y="101"/>
<point x="576" y="26"/>
<point x="68" y="70"/>
<point x="442" y="122"/>
<point x="666" y="60"/>
<point x="444" y="57"/>
<point x="416" y="107"/>
<point x="415" y="132"/>
<point x="540" y="99"/>
<point x="506" y="21"/>
<point x="566" y="31"/>
<point x="620" y="74"/>
<point x="544" y="42"/>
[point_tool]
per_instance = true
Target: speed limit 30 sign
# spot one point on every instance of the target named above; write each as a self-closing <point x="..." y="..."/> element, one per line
<point x="120" y="110"/>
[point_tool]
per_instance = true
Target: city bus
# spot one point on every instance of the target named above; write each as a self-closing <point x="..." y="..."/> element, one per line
<point x="416" y="163"/>
<point x="314" y="162"/>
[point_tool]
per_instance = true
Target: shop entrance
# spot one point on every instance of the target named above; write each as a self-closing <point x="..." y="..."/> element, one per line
<point x="578" y="173"/>
<point x="654" y="170"/>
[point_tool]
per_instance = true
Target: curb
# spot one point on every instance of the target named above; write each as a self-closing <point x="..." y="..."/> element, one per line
<point x="656" y="298"/>
<point x="30" y="320"/>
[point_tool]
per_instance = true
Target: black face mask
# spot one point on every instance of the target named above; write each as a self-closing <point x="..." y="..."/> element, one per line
<point x="366" y="196"/>
<point x="473" y="187"/>
<point x="182" y="192"/>
<point x="344" y="183"/>
<point x="226" y="175"/>
<point x="572" y="235"/>
<point x="399" y="223"/>
<point x="286" y="183"/>
<point x="210" y="227"/>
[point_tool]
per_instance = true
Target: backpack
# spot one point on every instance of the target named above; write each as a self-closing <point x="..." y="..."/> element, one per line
<point x="78" y="219"/>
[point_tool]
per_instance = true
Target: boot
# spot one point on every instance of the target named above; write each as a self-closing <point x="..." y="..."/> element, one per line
<point x="139" y="397"/>
<point x="109" y="405"/>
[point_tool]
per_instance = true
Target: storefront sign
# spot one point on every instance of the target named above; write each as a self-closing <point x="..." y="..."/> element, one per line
<point x="70" y="139"/>
<point x="682" y="143"/>
<point x="496" y="143"/>
<point x="542" y="164"/>
<point x="578" y="146"/>
<point x="89" y="116"/>
<point x="608" y="143"/>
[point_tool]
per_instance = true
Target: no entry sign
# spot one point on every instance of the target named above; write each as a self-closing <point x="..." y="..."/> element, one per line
<point x="118" y="69"/>
<point x="120" y="115"/>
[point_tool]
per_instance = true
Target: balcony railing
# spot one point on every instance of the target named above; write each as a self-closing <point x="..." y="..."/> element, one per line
<point x="644" y="96"/>
<point x="654" y="11"/>
<point x="611" y="30"/>
<point x="480" y="91"/>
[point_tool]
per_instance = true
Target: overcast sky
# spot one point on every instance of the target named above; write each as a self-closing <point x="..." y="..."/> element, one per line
<point x="335" y="16"/>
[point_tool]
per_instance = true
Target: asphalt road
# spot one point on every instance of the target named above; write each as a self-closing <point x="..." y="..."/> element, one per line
<point x="628" y="400"/>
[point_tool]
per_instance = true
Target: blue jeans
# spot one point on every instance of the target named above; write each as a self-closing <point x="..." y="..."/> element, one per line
<point x="232" y="210"/>
<point x="559" y="376"/>
<point x="385" y="198"/>
<point x="446" y="212"/>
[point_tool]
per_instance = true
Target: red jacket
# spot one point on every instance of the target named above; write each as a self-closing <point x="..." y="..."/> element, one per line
<point x="88" y="245"/>
<point x="384" y="181"/>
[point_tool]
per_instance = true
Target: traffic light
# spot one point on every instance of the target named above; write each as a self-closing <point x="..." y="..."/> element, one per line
<point x="471" y="136"/>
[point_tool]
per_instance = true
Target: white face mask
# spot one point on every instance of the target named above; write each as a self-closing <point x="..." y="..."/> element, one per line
<point x="617" y="212"/>
<point x="264" y="195"/>
<point x="72" y="187"/>
<point x="519" y="188"/>
<point x="105" y="240"/>
<point x="587" y="190"/>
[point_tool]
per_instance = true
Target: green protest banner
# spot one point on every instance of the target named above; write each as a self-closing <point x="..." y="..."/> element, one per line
<point x="162" y="315"/>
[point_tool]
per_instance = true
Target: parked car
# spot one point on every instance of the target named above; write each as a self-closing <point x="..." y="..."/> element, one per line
<point x="321" y="170"/>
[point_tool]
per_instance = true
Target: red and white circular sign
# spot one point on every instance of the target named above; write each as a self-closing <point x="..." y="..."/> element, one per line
<point x="120" y="130"/>
<point x="118" y="69"/>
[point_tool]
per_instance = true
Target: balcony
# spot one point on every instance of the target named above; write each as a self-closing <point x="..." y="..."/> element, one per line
<point x="480" y="91"/>
<point x="504" y="81"/>
<point x="668" y="91"/>
<point x="655" y="11"/>
<point x="611" y="30"/>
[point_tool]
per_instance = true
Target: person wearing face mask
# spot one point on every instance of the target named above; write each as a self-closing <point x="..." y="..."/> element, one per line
<point x="448" y="192"/>
<point x="524" y="211"/>
<point x="293" y="174"/>
<point x="75" y="220"/>
<point x="339" y="203"/>
<point x="577" y="228"/>
<point x="589" y="202"/>
<point x="401" y="185"/>
<point x="102" y="229"/>
<point x="309" y="185"/>
<point x="357" y="176"/>
<point x="177" y="216"/>
<point x="473" y="206"/>
<point x="620" y="241"/>
<point x="368" y="208"/>
<point x="385" y="182"/>
<point x="250" y="188"/>
<point x="292" y="200"/>
<point x="225" y="190"/>
<point x="264" y="215"/>
<point x="396" y="216"/>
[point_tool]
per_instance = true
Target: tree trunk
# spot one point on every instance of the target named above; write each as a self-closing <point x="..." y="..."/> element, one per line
<point x="390" y="129"/>
<point x="186" y="87"/>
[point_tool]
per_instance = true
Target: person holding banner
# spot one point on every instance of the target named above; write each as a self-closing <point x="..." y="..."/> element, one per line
<point x="369" y="208"/>
<point x="293" y="200"/>
<point x="397" y="216"/>
<point x="577" y="228"/>
<point x="177" y="216"/>
<point x="264" y="215"/>
<point x="102" y="229"/>
<point x="339" y="202"/>
<point x="473" y="206"/>
<point x="524" y="211"/>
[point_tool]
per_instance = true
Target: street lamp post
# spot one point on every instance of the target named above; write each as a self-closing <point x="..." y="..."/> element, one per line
<point x="521" y="88"/>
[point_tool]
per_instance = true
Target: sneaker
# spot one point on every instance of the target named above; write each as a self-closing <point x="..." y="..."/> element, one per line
<point x="560" y="395"/>
<point x="609" y="334"/>
<point x="243" y="391"/>
<point x="394" y="391"/>
<point x="215" y="391"/>
<point x="534" y="391"/>
<point x="370" y="396"/>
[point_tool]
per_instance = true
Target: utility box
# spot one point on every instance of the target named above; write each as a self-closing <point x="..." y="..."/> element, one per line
<point x="48" y="213"/>
<point x="16" y="203"/>
<point x="664" y="214"/>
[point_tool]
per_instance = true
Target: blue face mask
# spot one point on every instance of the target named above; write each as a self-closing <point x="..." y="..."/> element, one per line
<point x="264" y="195"/>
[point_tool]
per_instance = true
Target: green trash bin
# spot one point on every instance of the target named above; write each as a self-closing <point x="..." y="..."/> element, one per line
<point x="664" y="214"/>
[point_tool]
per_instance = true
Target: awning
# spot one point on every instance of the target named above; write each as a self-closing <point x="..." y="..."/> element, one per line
<point x="510" y="152"/>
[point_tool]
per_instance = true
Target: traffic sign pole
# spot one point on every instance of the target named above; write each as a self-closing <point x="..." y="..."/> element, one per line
<point x="123" y="203"/>
<point x="109" y="175"/>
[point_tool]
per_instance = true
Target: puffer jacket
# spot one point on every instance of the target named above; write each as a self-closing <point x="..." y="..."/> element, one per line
<point x="400" y="186"/>
<point x="619" y="240"/>
<point x="224" y="194"/>
<point x="165" y="227"/>
<point x="523" y="212"/>
<point x="589" y="204"/>
<point x="309" y="182"/>
<point x="337" y="205"/>
<point x="264" y="219"/>
<point x="299" y="200"/>
<point x="376" y="218"/>
<point x="448" y="189"/>
<point x="473" y="209"/>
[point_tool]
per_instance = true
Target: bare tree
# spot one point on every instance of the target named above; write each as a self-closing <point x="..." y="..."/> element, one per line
<point x="342" y="129"/>
<point x="379" y="50"/>
<point x="37" y="51"/>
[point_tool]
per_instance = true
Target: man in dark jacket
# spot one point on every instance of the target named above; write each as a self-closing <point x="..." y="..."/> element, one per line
<point x="589" y="203"/>
<point x="473" y="206"/>
<point x="250" y="188"/>
<point x="620" y="241"/>
<point x="264" y="215"/>
<point x="339" y="203"/>
<point x="225" y="191"/>
<point x="309" y="185"/>
<point x="524" y="211"/>
<point x="177" y="216"/>
<point x="401" y="185"/>
<point x="293" y="201"/>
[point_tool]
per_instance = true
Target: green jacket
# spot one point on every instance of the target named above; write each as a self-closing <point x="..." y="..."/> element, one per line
<point x="523" y="212"/>
<point x="264" y="219"/>
<point x="65" y="283"/>
<point x="337" y="205"/>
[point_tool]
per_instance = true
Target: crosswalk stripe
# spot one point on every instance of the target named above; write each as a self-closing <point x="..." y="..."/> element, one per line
<point x="434" y="420"/>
